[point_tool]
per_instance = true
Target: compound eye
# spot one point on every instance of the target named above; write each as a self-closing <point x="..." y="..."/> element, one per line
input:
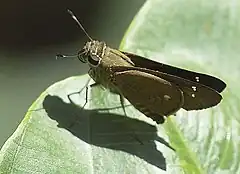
<point x="82" y="57"/>
<point x="94" y="60"/>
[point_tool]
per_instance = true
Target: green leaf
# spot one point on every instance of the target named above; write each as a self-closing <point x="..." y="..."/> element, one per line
<point x="201" y="36"/>
<point x="58" y="136"/>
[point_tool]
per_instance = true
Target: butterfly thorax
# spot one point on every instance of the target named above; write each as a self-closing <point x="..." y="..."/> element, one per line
<point x="103" y="62"/>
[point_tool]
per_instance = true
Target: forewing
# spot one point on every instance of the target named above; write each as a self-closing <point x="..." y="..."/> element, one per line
<point x="152" y="95"/>
<point x="196" y="95"/>
<point x="204" y="79"/>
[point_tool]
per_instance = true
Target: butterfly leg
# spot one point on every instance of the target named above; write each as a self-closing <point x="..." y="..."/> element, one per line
<point x="71" y="101"/>
<point x="122" y="104"/>
<point x="86" y="98"/>
<point x="79" y="92"/>
<point x="130" y="126"/>
<point x="86" y="93"/>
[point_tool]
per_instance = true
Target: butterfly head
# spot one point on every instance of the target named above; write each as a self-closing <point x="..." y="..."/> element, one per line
<point x="92" y="53"/>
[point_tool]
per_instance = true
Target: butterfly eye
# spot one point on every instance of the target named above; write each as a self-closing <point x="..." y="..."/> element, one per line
<point x="94" y="60"/>
<point x="82" y="57"/>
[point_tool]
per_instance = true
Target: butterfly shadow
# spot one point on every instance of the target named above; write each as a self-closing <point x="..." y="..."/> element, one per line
<point x="108" y="130"/>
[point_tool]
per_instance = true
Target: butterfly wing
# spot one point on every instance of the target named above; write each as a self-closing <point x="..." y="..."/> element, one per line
<point x="152" y="95"/>
<point x="196" y="96"/>
<point x="204" y="79"/>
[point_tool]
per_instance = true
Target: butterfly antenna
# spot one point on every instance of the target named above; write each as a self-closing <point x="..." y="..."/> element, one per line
<point x="79" y="24"/>
<point x="60" y="56"/>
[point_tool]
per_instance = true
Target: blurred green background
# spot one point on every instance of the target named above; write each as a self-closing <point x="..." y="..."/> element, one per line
<point x="31" y="34"/>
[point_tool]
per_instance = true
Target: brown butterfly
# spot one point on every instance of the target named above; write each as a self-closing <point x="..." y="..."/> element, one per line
<point x="155" y="89"/>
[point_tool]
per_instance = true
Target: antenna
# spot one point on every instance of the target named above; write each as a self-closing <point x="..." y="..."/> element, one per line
<point x="64" y="56"/>
<point x="60" y="56"/>
<point x="79" y="24"/>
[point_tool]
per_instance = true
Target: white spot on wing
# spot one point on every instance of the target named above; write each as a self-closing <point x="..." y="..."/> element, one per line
<point x="193" y="95"/>
<point x="194" y="88"/>
<point x="167" y="97"/>
<point x="197" y="78"/>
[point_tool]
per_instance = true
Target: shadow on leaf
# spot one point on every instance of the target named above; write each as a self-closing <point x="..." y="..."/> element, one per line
<point x="107" y="130"/>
